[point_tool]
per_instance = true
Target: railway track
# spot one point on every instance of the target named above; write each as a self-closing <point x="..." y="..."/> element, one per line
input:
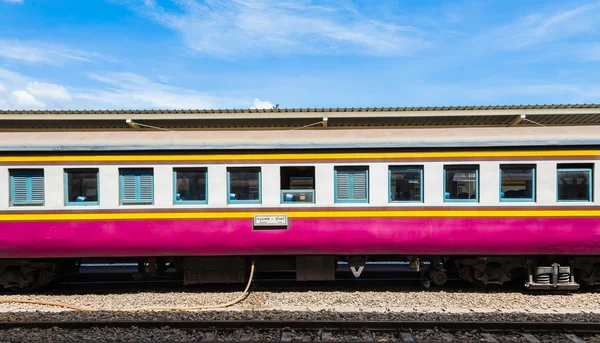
<point x="376" y="331"/>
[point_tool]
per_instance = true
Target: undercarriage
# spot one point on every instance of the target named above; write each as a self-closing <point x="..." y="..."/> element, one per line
<point x="532" y="272"/>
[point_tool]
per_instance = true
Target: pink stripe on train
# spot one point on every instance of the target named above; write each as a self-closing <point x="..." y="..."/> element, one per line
<point x="402" y="236"/>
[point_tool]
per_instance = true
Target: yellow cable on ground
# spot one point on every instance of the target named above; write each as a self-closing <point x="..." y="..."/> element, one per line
<point x="195" y="308"/>
<point x="46" y="303"/>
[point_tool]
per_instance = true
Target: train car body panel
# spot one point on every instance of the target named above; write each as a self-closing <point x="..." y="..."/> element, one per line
<point x="368" y="232"/>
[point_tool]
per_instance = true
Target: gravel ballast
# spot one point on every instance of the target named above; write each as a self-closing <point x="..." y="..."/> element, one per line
<point x="454" y="300"/>
<point x="294" y="305"/>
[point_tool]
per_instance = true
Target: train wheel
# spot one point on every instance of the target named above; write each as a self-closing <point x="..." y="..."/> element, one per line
<point x="467" y="273"/>
<point x="26" y="277"/>
<point x="470" y="274"/>
<point x="438" y="276"/>
<point x="34" y="282"/>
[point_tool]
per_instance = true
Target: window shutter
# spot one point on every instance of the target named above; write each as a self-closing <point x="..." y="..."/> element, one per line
<point x="146" y="188"/>
<point x="129" y="187"/>
<point x="37" y="188"/>
<point x="351" y="184"/>
<point x="20" y="189"/>
<point x="359" y="189"/>
<point x="343" y="185"/>
<point x="27" y="187"/>
<point x="137" y="186"/>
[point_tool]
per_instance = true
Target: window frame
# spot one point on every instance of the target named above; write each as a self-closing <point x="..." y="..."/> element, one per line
<point x="242" y="202"/>
<point x="308" y="190"/>
<point x="421" y="169"/>
<point x="533" y="184"/>
<point x="66" y="187"/>
<point x="27" y="173"/>
<point x="189" y="202"/>
<point x="590" y="183"/>
<point x="138" y="172"/>
<point x="350" y="201"/>
<point x="466" y="167"/>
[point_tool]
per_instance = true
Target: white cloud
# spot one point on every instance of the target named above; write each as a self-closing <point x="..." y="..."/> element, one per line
<point x="10" y="77"/>
<point x="21" y="92"/>
<point x="220" y="27"/>
<point x="112" y="91"/>
<point x="43" y="52"/>
<point x="48" y="91"/>
<point x="15" y="1"/>
<point x="544" y="27"/>
<point x="127" y="90"/>
<point x="261" y="105"/>
<point x="23" y="99"/>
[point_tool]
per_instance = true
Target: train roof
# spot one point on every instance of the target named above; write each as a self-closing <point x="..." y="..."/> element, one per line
<point x="301" y="139"/>
<point x="303" y="118"/>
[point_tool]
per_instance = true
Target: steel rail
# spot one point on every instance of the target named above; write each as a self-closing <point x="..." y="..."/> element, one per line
<point x="453" y="326"/>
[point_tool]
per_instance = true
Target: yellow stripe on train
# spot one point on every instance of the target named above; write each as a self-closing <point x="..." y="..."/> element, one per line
<point x="311" y="157"/>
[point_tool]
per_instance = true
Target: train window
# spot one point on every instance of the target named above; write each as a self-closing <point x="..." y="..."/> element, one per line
<point x="190" y="185"/>
<point x="81" y="187"/>
<point x="243" y="185"/>
<point x="137" y="186"/>
<point x="351" y="184"/>
<point x="297" y="185"/>
<point x="517" y="182"/>
<point x="461" y="183"/>
<point x="406" y="184"/>
<point x="27" y="187"/>
<point x="574" y="182"/>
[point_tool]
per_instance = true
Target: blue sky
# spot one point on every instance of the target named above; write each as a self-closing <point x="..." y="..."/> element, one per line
<point x="120" y="54"/>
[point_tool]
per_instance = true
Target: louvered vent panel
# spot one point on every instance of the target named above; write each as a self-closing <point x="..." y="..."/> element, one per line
<point x="20" y="191"/>
<point x="359" y="191"/>
<point x="129" y="187"/>
<point x="37" y="188"/>
<point x="343" y="185"/>
<point x="146" y="189"/>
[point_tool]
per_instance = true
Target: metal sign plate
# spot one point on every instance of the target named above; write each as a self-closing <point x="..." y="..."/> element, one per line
<point x="271" y="220"/>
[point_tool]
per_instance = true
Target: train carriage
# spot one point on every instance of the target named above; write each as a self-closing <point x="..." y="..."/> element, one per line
<point x="493" y="194"/>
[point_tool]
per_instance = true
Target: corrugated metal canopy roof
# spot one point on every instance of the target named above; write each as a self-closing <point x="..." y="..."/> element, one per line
<point x="328" y="109"/>
<point x="340" y="118"/>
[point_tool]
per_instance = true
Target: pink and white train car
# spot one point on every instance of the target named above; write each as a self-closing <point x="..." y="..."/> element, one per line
<point x="492" y="194"/>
